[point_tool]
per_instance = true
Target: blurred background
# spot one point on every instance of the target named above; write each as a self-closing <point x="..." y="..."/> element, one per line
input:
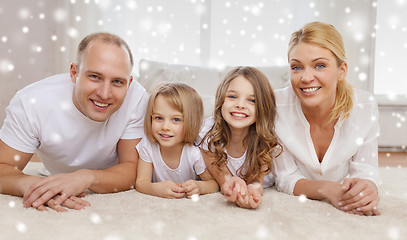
<point x="39" y="39"/>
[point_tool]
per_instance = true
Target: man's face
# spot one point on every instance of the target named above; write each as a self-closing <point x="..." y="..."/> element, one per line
<point x="101" y="80"/>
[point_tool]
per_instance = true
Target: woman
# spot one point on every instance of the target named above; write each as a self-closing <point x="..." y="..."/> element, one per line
<point x="328" y="129"/>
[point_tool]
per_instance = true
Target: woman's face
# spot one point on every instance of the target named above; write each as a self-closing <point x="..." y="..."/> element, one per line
<point x="315" y="75"/>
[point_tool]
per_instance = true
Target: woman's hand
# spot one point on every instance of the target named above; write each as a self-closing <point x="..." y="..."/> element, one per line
<point x="361" y="196"/>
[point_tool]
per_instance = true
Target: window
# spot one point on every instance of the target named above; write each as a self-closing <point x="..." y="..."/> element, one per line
<point x="390" y="82"/>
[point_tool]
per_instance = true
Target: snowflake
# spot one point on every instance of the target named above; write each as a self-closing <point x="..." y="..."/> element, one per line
<point x="56" y="137"/>
<point x="362" y="76"/>
<point x="24" y="13"/>
<point x="393" y="233"/>
<point x="359" y="141"/>
<point x="195" y="197"/>
<point x="25" y="29"/>
<point x="60" y="15"/>
<point x="302" y="198"/>
<point x="21" y="227"/>
<point x="262" y="232"/>
<point x="6" y="66"/>
<point x="17" y="157"/>
<point x="112" y="237"/>
<point x="95" y="218"/>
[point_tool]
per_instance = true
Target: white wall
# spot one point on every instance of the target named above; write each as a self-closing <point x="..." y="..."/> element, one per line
<point x="28" y="51"/>
<point x="39" y="38"/>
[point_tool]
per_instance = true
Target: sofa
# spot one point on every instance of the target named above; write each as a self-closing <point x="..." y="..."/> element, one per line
<point x="204" y="80"/>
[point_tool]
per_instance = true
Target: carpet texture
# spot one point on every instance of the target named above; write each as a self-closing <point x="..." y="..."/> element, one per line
<point x="132" y="215"/>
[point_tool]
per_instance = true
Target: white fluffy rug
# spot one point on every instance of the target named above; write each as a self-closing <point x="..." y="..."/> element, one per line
<point x="132" y="215"/>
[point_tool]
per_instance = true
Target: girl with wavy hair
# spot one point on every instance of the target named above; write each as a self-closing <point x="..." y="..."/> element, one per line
<point x="240" y="142"/>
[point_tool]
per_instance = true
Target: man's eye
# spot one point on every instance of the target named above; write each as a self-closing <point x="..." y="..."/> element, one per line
<point x="118" y="83"/>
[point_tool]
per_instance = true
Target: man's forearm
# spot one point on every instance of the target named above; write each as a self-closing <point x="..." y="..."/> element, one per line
<point x="14" y="182"/>
<point x="118" y="178"/>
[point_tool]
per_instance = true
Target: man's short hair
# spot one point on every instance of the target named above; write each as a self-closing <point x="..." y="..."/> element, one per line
<point x="105" y="37"/>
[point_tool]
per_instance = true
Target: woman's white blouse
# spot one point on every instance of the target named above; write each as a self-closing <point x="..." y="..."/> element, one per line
<point x="353" y="151"/>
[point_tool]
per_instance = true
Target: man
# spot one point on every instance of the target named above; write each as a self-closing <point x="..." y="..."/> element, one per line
<point x="84" y="127"/>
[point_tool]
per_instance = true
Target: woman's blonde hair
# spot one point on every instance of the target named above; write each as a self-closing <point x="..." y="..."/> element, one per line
<point x="261" y="140"/>
<point x="185" y="100"/>
<point x="326" y="36"/>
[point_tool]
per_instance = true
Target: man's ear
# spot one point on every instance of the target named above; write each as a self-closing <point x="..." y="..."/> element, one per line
<point x="131" y="80"/>
<point x="73" y="72"/>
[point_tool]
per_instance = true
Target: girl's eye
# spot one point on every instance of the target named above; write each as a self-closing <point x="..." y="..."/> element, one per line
<point x="231" y="96"/>
<point x="320" y="66"/>
<point x="177" y="120"/>
<point x="252" y="100"/>
<point x="158" y="118"/>
<point x="296" y="68"/>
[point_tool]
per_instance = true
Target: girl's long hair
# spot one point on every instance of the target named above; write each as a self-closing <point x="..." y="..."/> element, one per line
<point x="261" y="141"/>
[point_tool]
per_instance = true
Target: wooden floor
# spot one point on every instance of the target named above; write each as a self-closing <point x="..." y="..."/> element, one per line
<point x="386" y="159"/>
<point x="393" y="159"/>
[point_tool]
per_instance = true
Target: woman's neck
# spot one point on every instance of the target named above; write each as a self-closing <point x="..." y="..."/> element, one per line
<point x="317" y="116"/>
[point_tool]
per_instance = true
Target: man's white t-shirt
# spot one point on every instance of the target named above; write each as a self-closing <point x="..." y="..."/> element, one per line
<point x="191" y="163"/>
<point x="42" y="118"/>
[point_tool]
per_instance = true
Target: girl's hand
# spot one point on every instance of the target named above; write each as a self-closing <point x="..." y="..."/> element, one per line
<point x="252" y="199"/>
<point x="234" y="187"/>
<point x="360" y="195"/>
<point x="169" y="189"/>
<point x="191" y="188"/>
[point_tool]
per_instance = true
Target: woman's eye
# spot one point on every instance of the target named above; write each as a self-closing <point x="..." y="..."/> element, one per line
<point x="296" y="68"/>
<point x="320" y="66"/>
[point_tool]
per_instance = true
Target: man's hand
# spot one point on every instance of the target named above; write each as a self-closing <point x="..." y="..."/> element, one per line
<point x="71" y="203"/>
<point x="361" y="196"/>
<point x="57" y="187"/>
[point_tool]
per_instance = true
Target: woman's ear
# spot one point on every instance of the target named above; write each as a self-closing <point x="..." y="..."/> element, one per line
<point x="343" y="71"/>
